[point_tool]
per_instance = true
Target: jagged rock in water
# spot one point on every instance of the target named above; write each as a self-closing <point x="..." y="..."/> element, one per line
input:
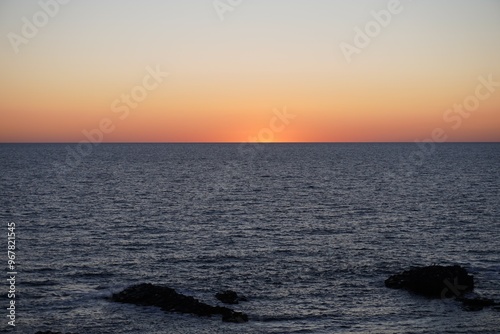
<point x="441" y="282"/>
<point x="433" y="281"/>
<point x="230" y="297"/>
<point x="169" y="300"/>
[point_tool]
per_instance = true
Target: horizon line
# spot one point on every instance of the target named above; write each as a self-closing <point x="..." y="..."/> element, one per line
<point x="247" y="142"/>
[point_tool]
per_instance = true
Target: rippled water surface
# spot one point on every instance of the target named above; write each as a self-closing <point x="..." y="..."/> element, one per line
<point x="308" y="232"/>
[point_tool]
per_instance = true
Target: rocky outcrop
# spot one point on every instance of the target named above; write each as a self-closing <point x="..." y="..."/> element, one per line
<point x="433" y="281"/>
<point x="441" y="282"/>
<point x="230" y="297"/>
<point x="170" y="301"/>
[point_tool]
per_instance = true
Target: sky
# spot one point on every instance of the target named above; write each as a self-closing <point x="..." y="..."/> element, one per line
<point x="249" y="70"/>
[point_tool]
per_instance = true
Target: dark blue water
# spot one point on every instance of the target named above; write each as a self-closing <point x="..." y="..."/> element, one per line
<point x="308" y="232"/>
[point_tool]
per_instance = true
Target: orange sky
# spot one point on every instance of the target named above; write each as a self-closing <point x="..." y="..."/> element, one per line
<point x="228" y="78"/>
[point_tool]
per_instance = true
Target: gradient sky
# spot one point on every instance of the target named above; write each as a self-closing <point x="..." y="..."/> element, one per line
<point x="227" y="76"/>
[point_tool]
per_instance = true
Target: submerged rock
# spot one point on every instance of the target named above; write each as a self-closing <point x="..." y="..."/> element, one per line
<point x="475" y="303"/>
<point x="433" y="281"/>
<point x="169" y="300"/>
<point x="230" y="297"/>
<point x="237" y="317"/>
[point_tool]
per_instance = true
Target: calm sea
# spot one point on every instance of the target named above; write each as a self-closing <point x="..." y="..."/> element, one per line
<point x="308" y="232"/>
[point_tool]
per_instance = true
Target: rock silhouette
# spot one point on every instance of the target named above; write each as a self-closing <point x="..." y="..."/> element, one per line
<point x="441" y="282"/>
<point x="433" y="281"/>
<point x="170" y="301"/>
<point x="230" y="297"/>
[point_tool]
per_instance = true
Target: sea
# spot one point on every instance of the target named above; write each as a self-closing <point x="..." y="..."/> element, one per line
<point x="307" y="232"/>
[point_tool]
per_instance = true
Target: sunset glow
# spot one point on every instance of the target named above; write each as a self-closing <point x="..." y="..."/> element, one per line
<point x="230" y="73"/>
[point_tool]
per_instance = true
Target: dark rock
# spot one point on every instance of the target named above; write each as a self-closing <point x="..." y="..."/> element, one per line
<point x="230" y="297"/>
<point x="169" y="300"/>
<point x="433" y="281"/>
<point x="237" y="317"/>
<point x="441" y="282"/>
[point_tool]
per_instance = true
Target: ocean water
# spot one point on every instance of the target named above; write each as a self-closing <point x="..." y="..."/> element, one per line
<point x="308" y="232"/>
